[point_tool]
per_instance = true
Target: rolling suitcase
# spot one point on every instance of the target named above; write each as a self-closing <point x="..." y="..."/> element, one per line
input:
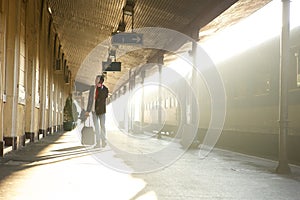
<point x="87" y="134"/>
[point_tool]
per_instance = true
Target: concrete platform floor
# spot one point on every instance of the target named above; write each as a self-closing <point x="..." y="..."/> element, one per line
<point x="59" y="167"/>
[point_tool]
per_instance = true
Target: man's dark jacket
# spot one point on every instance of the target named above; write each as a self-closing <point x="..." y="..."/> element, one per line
<point x="100" y="101"/>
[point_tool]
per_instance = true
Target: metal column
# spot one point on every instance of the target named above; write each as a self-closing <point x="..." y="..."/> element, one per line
<point x="143" y="101"/>
<point x="160" y="62"/>
<point x="283" y="166"/>
<point x="131" y="111"/>
<point x="159" y="94"/>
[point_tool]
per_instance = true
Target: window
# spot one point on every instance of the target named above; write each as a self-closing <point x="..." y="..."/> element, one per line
<point x="172" y="102"/>
<point x="162" y="104"/>
<point x="167" y="103"/>
<point x="298" y="69"/>
<point x="37" y="88"/>
<point x="47" y="91"/>
<point x="22" y="95"/>
<point x="263" y="83"/>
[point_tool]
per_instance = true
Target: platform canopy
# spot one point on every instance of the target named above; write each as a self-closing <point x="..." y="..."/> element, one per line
<point x="83" y="24"/>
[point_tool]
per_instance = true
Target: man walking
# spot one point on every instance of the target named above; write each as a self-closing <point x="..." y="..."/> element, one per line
<point x="97" y="104"/>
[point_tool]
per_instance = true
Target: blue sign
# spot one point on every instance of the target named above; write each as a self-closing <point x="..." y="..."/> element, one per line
<point x="127" y="38"/>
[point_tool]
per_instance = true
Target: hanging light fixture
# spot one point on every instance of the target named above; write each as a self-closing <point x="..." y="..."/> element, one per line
<point x="112" y="54"/>
<point x="121" y="27"/>
<point x="128" y="8"/>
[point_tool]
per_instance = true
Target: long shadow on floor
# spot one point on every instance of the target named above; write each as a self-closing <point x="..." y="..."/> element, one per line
<point x="28" y="156"/>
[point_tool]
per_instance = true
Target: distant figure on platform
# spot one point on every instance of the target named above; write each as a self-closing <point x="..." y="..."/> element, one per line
<point x="97" y="104"/>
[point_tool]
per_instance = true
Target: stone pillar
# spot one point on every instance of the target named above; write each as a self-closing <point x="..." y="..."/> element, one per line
<point x="60" y="101"/>
<point x="37" y="96"/>
<point x="31" y="55"/>
<point x="51" y="105"/>
<point x="2" y="71"/>
<point x="54" y="102"/>
<point x="42" y="72"/>
<point x="51" y="88"/>
<point x="57" y="71"/>
<point x="12" y="62"/>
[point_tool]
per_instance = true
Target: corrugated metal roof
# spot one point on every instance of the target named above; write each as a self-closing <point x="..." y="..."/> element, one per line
<point x="82" y="25"/>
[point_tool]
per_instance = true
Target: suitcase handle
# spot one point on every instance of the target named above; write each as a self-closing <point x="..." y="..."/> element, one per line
<point x="88" y="117"/>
